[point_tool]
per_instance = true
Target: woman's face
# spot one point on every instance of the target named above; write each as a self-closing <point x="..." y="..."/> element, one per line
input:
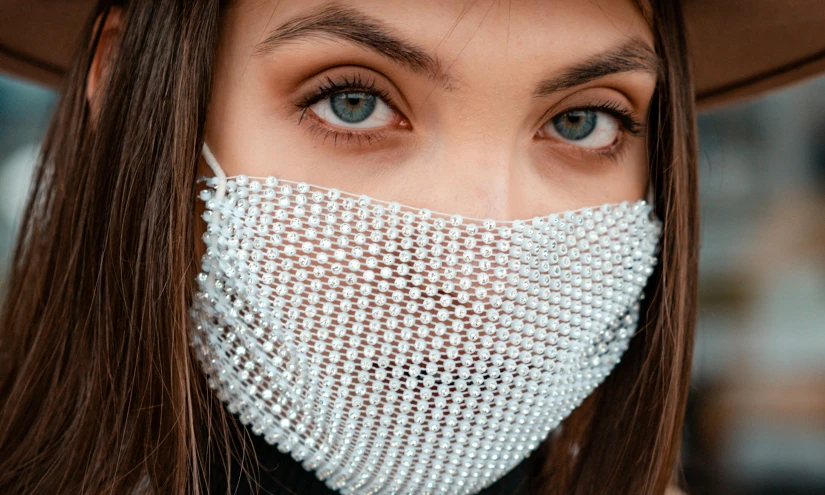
<point x="487" y="109"/>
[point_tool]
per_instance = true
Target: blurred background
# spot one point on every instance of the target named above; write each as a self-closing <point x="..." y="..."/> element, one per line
<point x="756" y="417"/>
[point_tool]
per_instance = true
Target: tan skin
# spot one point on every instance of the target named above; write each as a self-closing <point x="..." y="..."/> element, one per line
<point x="474" y="139"/>
<point x="470" y="145"/>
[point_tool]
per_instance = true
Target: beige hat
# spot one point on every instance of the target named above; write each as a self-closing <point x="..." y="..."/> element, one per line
<point x="739" y="48"/>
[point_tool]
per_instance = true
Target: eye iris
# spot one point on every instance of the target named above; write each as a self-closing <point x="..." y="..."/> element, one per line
<point x="353" y="107"/>
<point x="575" y="125"/>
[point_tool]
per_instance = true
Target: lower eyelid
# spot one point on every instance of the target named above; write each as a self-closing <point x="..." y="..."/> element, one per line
<point x="318" y="129"/>
<point x="583" y="153"/>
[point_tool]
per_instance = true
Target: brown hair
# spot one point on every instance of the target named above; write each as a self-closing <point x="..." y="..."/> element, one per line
<point x="100" y="390"/>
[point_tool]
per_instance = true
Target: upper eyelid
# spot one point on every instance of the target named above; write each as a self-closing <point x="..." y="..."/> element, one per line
<point x="593" y="96"/>
<point x="391" y="96"/>
<point x="331" y="87"/>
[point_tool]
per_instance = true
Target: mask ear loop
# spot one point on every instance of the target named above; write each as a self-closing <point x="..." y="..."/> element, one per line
<point x="219" y="193"/>
<point x="216" y="169"/>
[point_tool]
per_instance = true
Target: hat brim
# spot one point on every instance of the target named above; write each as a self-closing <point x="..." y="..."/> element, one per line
<point x="739" y="48"/>
<point x="744" y="48"/>
<point x="38" y="37"/>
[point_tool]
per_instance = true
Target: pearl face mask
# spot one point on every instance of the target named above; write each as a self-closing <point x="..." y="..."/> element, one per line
<point x="393" y="349"/>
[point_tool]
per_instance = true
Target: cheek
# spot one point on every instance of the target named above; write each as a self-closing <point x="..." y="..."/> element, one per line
<point x="626" y="180"/>
<point x="246" y="136"/>
<point x="556" y="182"/>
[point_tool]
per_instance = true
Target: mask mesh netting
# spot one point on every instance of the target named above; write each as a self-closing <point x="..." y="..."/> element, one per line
<point x="395" y="350"/>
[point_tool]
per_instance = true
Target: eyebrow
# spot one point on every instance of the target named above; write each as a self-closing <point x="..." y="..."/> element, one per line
<point x="337" y="23"/>
<point x="633" y="55"/>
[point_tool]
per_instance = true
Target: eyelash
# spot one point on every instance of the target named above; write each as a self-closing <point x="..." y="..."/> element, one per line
<point x="628" y="120"/>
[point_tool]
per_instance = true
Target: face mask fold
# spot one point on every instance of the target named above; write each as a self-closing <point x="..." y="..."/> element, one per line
<point x="393" y="349"/>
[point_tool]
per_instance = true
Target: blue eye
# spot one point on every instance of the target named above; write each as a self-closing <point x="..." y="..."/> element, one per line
<point x="354" y="110"/>
<point x="575" y="125"/>
<point x="353" y="107"/>
<point x="584" y="128"/>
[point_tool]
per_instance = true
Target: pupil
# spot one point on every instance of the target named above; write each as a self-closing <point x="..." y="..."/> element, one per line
<point x="353" y="107"/>
<point x="575" y="125"/>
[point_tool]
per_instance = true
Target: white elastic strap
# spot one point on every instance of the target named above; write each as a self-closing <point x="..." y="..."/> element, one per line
<point x="216" y="169"/>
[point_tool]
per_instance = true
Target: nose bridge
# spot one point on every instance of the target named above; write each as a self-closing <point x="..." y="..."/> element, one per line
<point x="483" y="174"/>
<point x="483" y="148"/>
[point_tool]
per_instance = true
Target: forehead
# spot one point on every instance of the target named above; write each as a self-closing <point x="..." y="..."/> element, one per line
<point x="465" y="35"/>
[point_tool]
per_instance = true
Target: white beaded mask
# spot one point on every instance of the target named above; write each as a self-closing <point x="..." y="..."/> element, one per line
<point x="393" y="349"/>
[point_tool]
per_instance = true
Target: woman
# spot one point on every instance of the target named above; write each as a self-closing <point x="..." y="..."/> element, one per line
<point x="235" y="256"/>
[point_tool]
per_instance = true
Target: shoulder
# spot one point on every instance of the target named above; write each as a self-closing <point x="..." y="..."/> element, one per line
<point x="674" y="490"/>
